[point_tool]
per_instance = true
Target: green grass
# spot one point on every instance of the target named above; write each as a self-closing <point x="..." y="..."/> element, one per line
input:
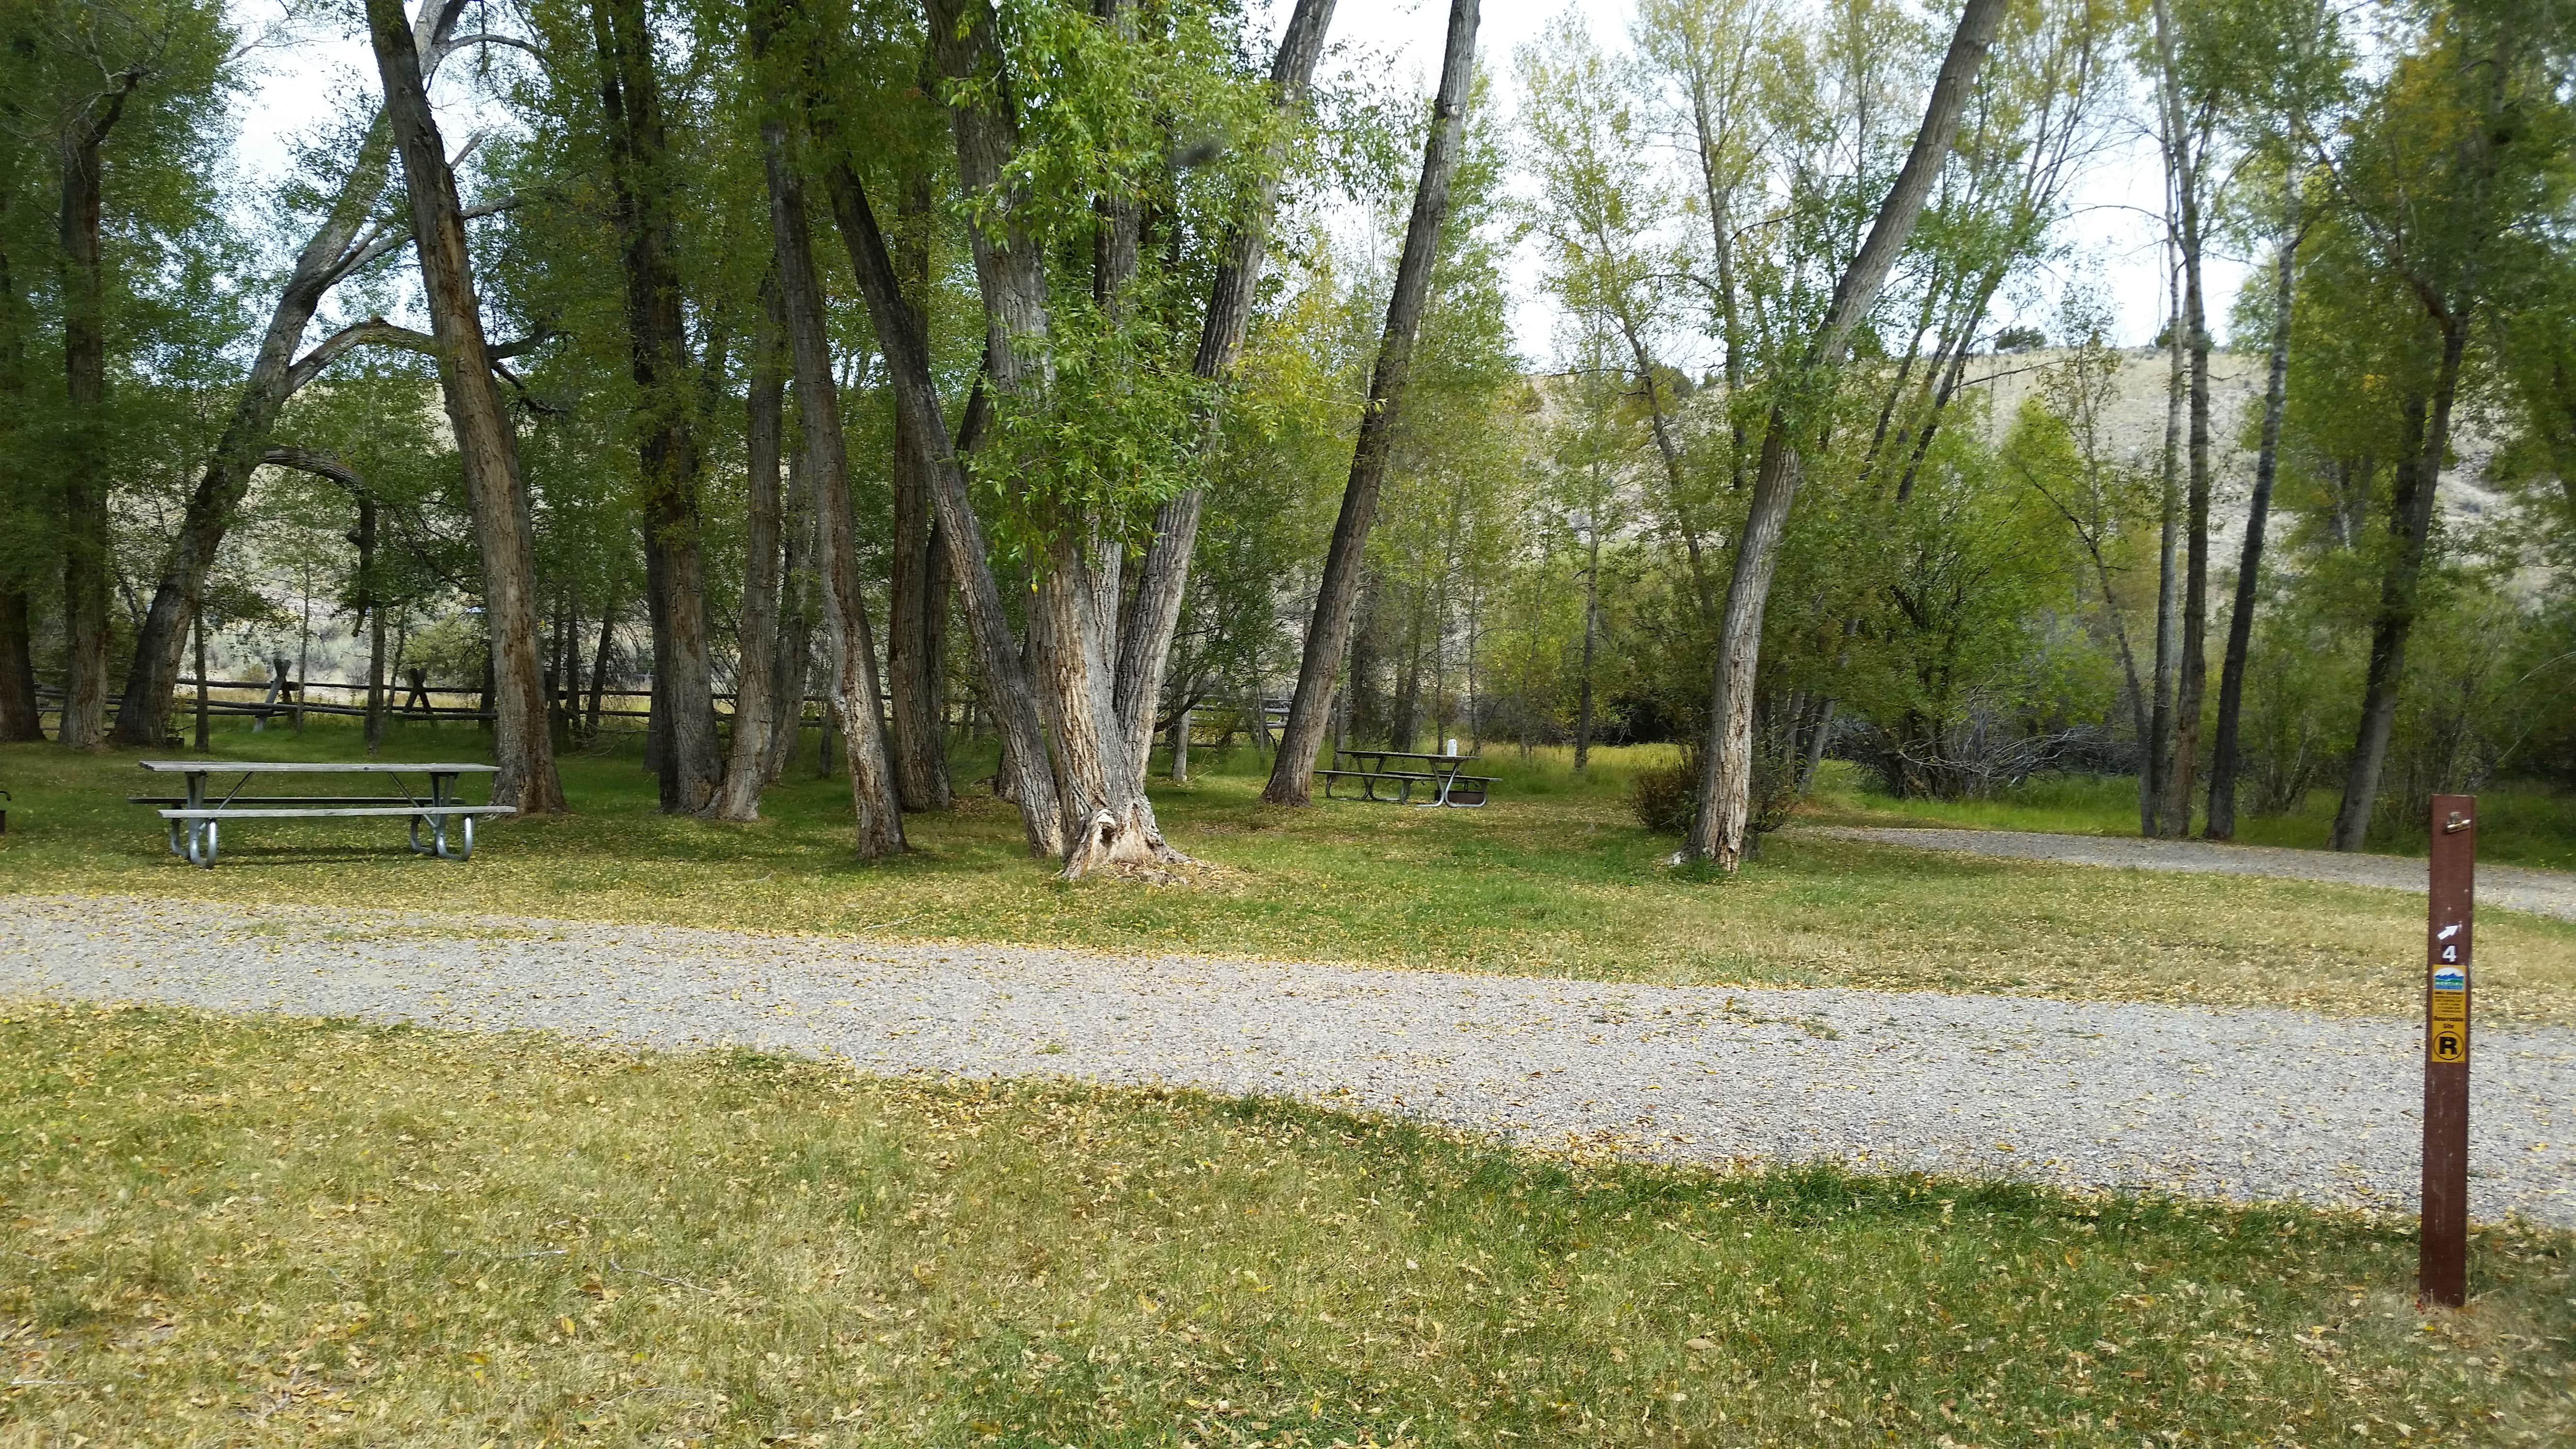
<point x="2517" y="824"/>
<point x="1554" y="878"/>
<point x="293" y="1232"/>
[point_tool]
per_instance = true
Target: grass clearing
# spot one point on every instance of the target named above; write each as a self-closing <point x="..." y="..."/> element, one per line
<point x="1554" y="878"/>
<point x="298" y="1232"/>
<point x="2517" y="824"/>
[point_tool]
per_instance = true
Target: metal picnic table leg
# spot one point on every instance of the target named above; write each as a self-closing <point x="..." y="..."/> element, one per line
<point x="202" y="834"/>
<point x="442" y="791"/>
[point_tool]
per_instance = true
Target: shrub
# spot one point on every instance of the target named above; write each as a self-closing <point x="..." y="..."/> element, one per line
<point x="1666" y="797"/>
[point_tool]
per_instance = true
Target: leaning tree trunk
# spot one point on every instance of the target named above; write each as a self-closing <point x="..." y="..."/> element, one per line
<point x="485" y="443"/>
<point x="852" y="689"/>
<point x="2258" y="509"/>
<point x="2410" y="522"/>
<point x="905" y="348"/>
<point x="756" y="643"/>
<point x="338" y="247"/>
<point x="87" y="564"/>
<point x="1162" y="576"/>
<point x="1328" y="632"/>
<point x="1726" y="776"/>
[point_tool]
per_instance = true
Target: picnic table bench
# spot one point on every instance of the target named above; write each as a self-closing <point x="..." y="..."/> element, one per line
<point x="195" y="823"/>
<point x="1442" y="775"/>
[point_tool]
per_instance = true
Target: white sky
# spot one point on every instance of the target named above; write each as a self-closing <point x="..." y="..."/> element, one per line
<point x="2112" y="230"/>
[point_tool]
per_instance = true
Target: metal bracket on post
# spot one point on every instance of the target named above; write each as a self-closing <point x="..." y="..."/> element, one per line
<point x="2442" y="1263"/>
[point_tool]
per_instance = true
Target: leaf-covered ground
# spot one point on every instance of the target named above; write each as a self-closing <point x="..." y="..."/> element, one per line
<point x="292" y="1232"/>
<point x="1554" y="878"/>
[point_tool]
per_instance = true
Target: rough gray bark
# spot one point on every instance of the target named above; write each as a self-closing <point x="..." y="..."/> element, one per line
<point x="2258" y="509"/>
<point x="852" y="688"/>
<point x="672" y="463"/>
<point x="84" y="518"/>
<point x="1162" y="575"/>
<point x="755" y="654"/>
<point x="486" y="445"/>
<point x="1726" y="777"/>
<point x="1328" y="633"/>
<point x="2192" y="678"/>
<point x="906" y="350"/>
<point x="346" y="239"/>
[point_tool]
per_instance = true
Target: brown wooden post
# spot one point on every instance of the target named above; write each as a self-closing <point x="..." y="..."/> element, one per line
<point x="2442" y="1271"/>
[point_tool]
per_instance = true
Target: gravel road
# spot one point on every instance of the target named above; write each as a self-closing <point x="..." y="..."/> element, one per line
<point x="2503" y="887"/>
<point x="2243" y="1104"/>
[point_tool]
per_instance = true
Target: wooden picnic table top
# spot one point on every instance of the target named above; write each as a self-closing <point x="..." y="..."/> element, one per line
<point x="1407" y="755"/>
<point x="279" y="767"/>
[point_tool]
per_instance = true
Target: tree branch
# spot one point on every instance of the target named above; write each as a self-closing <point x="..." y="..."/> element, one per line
<point x="316" y="462"/>
<point x="395" y="238"/>
<point x="383" y="333"/>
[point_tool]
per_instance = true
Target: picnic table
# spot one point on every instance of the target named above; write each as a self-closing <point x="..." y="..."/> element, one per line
<point x="195" y="823"/>
<point x="1442" y="774"/>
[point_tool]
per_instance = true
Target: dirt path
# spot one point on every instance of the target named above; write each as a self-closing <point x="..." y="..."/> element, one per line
<point x="2504" y="887"/>
<point x="2245" y="1104"/>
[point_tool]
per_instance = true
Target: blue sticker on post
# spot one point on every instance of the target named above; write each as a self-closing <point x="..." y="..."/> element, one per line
<point x="2450" y="978"/>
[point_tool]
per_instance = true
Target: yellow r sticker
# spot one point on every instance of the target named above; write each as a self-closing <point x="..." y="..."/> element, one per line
<point x="2449" y="1044"/>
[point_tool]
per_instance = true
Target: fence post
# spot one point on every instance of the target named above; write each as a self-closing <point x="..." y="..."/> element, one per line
<point x="2442" y="1264"/>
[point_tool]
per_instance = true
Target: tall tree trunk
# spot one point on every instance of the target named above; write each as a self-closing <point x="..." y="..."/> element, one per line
<point x="486" y="445"/>
<point x="1591" y="632"/>
<point x="87" y="564"/>
<point x="2192" y="678"/>
<point x="1726" y="776"/>
<point x="639" y="167"/>
<point x="793" y="663"/>
<point x="1162" y="576"/>
<point x="338" y="246"/>
<point x="915" y="602"/>
<point x="370" y="599"/>
<point x="1328" y="632"/>
<point x="20" y="718"/>
<point x="756" y="642"/>
<point x="852" y="689"/>
<point x="2258" y="509"/>
<point x="197" y="629"/>
<point x="599" y="661"/>
<point x="2410" y="522"/>
<point x="2158" y="761"/>
<point x="906" y="350"/>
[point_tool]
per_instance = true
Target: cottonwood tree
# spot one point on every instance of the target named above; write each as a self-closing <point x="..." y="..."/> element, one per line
<point x="2442" y="176"/>
<point x="1718" y="829"/>
<point x="486" y="443"/>
<point x="1328" y="631"/>
<point x="106" y="87"/>
<point x="2288" y="61"/>
<point x="345" y="184"/>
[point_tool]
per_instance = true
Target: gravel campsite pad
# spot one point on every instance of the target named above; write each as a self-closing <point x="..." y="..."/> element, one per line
<point x="2249" y="1104"/>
